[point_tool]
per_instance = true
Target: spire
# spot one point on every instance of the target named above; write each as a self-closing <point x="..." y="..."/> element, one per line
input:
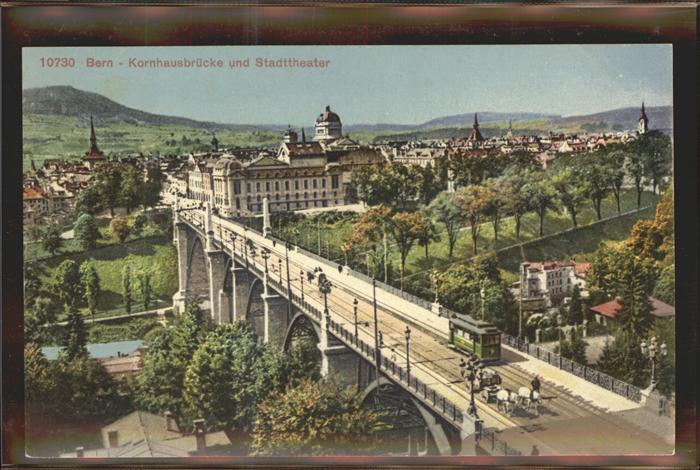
<point x="93" y="138"/>
<point x="476" y="120"/>
<point x="303" y="136"/>
<point x="510" y="125"/>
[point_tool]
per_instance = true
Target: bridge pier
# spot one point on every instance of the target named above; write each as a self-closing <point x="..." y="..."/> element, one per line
<point x="225" y="312"/>
<point x="275" y="318"/>
<point x="337" y="361"/>
<point x="217" y="273"/>
<point x="240" y="285"/>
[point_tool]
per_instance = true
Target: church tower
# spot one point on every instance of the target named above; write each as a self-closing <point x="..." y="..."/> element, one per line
<point x="94" y="155"/>
<point x="642" y="122"/>
<point x="475" y="140"/>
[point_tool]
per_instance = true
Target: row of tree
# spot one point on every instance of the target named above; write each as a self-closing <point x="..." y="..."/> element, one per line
<point x="116" y="185"/>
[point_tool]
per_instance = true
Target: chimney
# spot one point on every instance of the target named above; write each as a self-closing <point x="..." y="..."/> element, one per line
<point x="200" y="434"/>
<point x="169" y="422"/>
<point x="80" y="452"/>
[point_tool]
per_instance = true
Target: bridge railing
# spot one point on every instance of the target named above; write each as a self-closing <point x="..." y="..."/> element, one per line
<point x="587" y="373"/>
<point x="488" y="439"/>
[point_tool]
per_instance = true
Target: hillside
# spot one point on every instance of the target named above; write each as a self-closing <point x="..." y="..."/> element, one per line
<point x="69" y="101"/>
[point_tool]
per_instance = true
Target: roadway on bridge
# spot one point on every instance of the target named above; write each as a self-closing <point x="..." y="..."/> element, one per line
<point x="437" y="365"/>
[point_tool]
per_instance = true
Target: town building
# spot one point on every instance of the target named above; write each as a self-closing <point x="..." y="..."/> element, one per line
<point x="141" y="434"/>
<point x="551" y="280"/>
<point x="606" y="313"/>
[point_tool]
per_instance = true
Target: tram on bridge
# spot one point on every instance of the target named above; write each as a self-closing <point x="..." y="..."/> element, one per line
<point x="475" y="337"/>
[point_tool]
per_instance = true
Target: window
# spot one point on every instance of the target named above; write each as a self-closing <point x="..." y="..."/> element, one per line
<point x="267" y="186"/>
<point x="238" y="203"/>
<point x="236" y="187"/>
<point x="306" y="184"/>
<point x="323" y="182"/>
<point x="257" y="187"/>
<point x="277" y="185"/>
<point x="286" y="185"/>
<point x="296" y="184"/>
<point x="314" y="183"/>
<point x="296" y="196"/>
<point x="335" y="181"/>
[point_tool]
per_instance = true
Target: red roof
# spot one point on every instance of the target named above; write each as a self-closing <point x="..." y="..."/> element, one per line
<point x="658" y="308"/>
<point x="32" y="193"/>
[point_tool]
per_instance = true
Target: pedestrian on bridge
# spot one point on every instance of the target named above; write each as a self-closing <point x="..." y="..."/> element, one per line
<point x="535" y="384"/>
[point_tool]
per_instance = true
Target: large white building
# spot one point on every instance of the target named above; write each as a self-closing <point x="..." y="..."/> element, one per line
<point x="551" y="279"/>
<point x="301" y="175"/>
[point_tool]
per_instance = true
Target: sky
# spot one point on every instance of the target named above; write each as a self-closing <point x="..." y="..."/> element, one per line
<point x="369" y="84"/>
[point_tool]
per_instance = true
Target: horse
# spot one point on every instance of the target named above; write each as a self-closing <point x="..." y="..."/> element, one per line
<point x="527" y="398"/>
<point x="507" y="400"/>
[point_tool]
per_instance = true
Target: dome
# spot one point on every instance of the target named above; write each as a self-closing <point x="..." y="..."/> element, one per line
<point x="328" y="116"/>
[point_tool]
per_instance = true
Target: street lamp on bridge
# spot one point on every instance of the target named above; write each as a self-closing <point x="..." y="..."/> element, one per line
<point x="469" y="371"/>
<point x="324" y="287"/>
<point x="408" y="362"/>
<point x="654" y="353"/>
<point x="301" y="279"/>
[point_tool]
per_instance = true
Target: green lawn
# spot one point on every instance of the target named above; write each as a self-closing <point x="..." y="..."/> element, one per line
<point x="156" y="254"/>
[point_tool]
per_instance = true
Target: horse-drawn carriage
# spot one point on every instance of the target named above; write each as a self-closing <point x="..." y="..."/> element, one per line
<point x="508" y="401"/>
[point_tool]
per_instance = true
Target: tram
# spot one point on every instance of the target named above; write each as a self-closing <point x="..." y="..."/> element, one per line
<point x="475" y="337"/>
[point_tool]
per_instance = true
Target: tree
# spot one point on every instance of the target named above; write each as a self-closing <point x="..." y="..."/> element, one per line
<point x="405" y="229"/>
<point x="375" y="185"/>
<point x="496" y="203"/>
<point x="314" y="419"/>
<point x="542" y="196"/>
<point x="429" y="185"/>
<point x="86" y="232"/>
<point x="611" y="267"/>
<point x="120" y="228"/>
<point x="32" y="281"/>
<point x="572" y="192"/>
<point x="161" y="382"/>
<point x="596" y="185"/>
<point x="624" y="360"/>
<point x="407" y="181"/>
<point x="76" y="336"/>
<point x="467" y="169"/>
<point x="473" y="202"/>
<point x="38" y="314"/>
<point x="127" y="291"/>
<point x="576" y="306"/>
<point x="517" y="199"/>
<point x="368" y="232"/>
<point x="144" y="278"/>
<point x="634" y="315"/>
<point x="140" y="222"/>
<point x="428" y="233"/>
<point x="67" y="283"/>
<point x="89" y="201"/>
<point x="574" y="348"/>
<point x="444" y="211"/>
<point x="665" y="288"/>
<point x="656" y="152"/>
<point x="613" y="163"/>
<point x="634" y="167"/>
<point x="51" y="239"/>
<point x="91" y="285"/>
<point x="108" y="180"/>
<point x="131" y="189"/>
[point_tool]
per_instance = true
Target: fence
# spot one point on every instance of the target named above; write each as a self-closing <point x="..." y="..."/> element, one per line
<point x="591" y="375"/>
<point x="488" y="440"/>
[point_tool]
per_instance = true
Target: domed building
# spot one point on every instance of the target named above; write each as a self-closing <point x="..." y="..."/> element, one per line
<point x="328" y="126"/>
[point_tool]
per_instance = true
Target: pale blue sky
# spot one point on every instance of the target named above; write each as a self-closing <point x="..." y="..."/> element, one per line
<point x="370" y="84"/>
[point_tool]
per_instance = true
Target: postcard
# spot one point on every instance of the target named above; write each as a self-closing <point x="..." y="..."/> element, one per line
<point x="299" y="251"/>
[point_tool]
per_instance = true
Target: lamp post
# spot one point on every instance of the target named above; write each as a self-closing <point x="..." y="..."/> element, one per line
<point x="377" y="354"/>
<point x="265" y="256"/>
<point x="279" y="269"/>
<point x="354" y="312"/>
<point x="301" y="279"/>
<point x="324" y="286"/>
<point x="482" y="293"/>
<point x="653" y="352"/>
<point x="289" y="283"/>
<point x="468" y="371"/>
<point x="408" y="350"/>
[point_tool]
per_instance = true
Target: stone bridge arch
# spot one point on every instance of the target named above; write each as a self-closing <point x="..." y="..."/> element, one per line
<point x="255" y="306"/>
<point x="417" y="428"/>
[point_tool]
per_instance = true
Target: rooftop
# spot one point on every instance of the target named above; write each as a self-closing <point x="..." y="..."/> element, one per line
<point x="658" y="308"/>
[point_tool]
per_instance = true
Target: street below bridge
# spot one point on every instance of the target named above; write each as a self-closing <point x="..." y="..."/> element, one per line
<point x="554" y="429"/>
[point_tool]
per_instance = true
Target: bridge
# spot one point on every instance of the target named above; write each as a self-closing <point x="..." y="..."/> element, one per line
<point x="244" y="275"/>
